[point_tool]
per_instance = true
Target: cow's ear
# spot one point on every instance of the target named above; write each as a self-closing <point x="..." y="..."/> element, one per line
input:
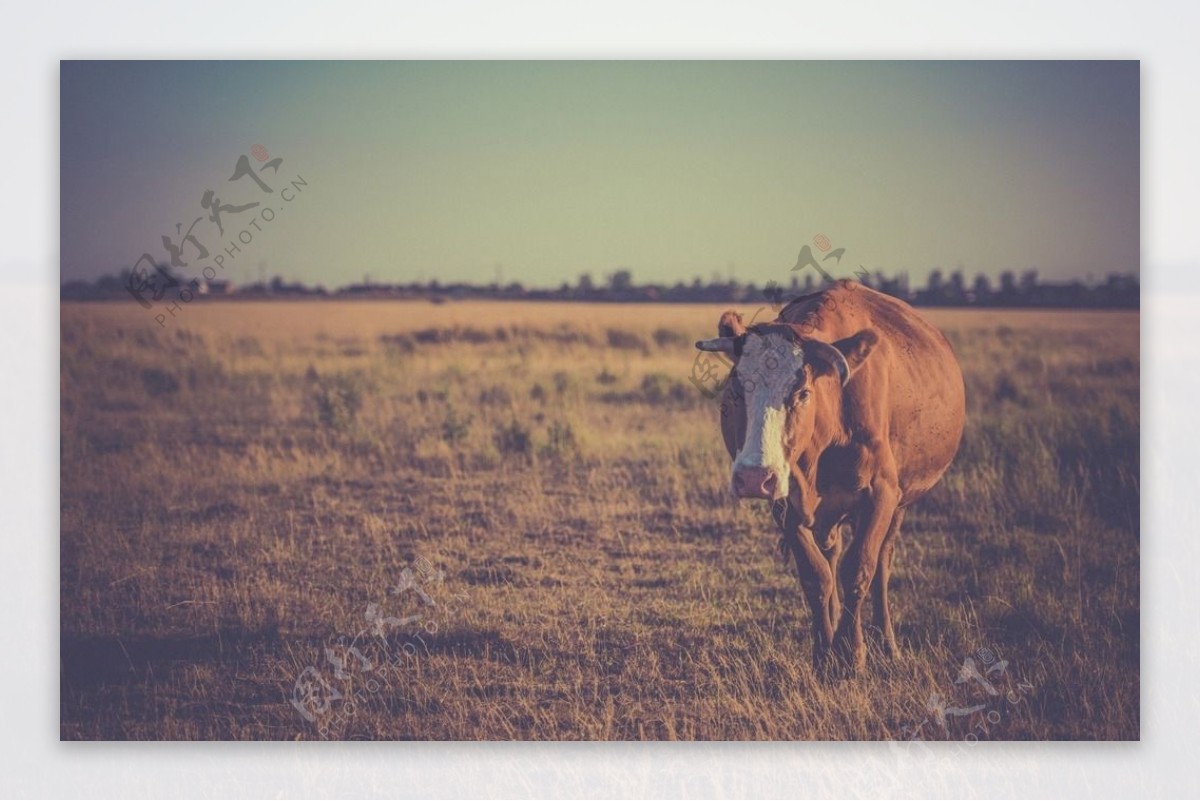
<point x="730" y="324"/>
<point x="857" y="348"/>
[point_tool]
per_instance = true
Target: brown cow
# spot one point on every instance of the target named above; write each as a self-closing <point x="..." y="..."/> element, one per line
<point x="843" y="411"/>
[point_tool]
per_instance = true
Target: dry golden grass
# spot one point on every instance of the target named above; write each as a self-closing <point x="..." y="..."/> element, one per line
<point x="239" y="489"/>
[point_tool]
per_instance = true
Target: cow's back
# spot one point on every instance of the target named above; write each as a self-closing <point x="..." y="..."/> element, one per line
<point x="912" y="371"/>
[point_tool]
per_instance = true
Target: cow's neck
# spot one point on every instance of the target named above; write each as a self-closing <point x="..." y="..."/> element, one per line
<point x="829" y="431"/>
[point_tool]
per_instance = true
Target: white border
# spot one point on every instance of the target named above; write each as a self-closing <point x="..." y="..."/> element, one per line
<point x="36" y="36"/>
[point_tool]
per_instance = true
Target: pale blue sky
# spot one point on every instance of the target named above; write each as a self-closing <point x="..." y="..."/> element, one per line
<point x="671" y="169"/>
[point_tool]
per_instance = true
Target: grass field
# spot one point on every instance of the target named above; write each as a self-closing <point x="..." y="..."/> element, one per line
<point x="511" y="520"/>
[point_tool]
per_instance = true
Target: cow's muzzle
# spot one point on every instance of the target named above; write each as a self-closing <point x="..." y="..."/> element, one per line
<point x="755" y="482"/>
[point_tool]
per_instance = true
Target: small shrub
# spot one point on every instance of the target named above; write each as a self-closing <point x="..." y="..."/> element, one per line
<point x="681" y="393"/>
<point x="189" y="338"/>
<point x="248" y="346"/>
<point x="1115" y="367"/>
<point x="537" y="392"/>
<point x="626" y="340"/>
<point x="561" y="439"/>
<point x="1007" y="390"/>
<point x="654" y="387"/>
<point x="425" y="398"/>
<point x="455" y="427"/>
<point x="338" y="400"/>
<point x="475" y="336"/>
<point x="495" y="395"/>
<point x="205" y="374"/>
<point x="399" y="344"/>
<point x="669" y="338"/>
<point x="659" y="388"/>
<point x="606" y="378"/>
<point x="563" y="382"/>
<point x="431" y="336"/>
<point x="159" y="382"/>
<point x="469" y="335"/>
<point x="513" y="439"/>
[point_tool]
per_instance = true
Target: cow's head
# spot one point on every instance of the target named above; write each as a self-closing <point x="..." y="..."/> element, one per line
<point x="788" y="385"/>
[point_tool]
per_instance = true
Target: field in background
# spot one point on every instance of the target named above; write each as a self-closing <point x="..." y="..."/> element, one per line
<point x="511" y="520"/>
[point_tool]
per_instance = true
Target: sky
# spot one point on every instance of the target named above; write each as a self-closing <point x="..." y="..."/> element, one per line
<point x="539" y="172"/>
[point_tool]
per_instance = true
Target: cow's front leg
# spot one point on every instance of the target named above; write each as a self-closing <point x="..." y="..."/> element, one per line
<point x="818" y="581"/>
<point x="832" y="543"/>
<point x="862" y="560"/>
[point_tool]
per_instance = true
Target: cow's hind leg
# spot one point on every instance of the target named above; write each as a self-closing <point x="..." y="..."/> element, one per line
<point x="882" y="609"/>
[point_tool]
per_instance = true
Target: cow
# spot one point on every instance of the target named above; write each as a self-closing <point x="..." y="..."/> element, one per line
<point x="841" y="413"/>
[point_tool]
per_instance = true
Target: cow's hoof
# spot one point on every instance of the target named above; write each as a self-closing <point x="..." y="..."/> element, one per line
<point x="825" y="667"/>
<point x="850" y="657"/>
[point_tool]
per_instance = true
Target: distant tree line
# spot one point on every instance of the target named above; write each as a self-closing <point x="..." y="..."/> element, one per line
<point x="1117" y="291"/>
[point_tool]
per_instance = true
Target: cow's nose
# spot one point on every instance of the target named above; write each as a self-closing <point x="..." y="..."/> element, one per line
<point x="754" y="482"/>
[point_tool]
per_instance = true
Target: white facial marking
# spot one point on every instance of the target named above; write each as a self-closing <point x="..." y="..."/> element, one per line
<point x="767" y="370"/>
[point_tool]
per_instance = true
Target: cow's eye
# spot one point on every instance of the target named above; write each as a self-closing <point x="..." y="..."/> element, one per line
<point x="803" y="395"/>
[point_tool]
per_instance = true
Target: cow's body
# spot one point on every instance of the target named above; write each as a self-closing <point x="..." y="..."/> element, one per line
<point x="861" y="431"/>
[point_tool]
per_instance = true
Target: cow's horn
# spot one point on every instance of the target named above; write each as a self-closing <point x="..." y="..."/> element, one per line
<point x="815" y="349"/>
<point x="718" y="345"/>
